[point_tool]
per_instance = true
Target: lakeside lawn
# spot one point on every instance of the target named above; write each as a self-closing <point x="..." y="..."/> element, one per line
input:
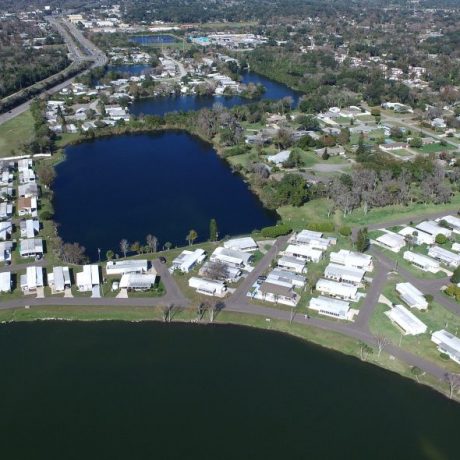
<point x="435" y="148"/>
<point x="15" y="133"/>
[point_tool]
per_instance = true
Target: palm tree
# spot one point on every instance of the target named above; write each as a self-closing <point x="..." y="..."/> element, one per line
<point x="191" y="237"/>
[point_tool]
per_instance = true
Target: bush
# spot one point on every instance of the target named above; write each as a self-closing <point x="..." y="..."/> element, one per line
<point x="46" y="215"/>
<point x="345" y="230"/>
<point x="321" y="226"/>
<point x="456" y="276"/>
<point x="441" y="239"/>
<point x="276" y="230"/>
<point x="429" y="298"/>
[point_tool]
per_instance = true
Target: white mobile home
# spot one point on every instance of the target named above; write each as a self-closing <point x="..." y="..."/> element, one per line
<point x="230" y="275"/>
<point x="59" y="279"/>
<point x="293" y="264"/>
<point x="353" y="259"/>
<point x="304" y="252"/>
<point x="285" y="276"/>
<point x="277" y="293"/>
<point x="391" y="241"/>
<point x="420" y="237"/>
<point x="31" y="247"/>
<point x="335" y="289"/>
<point x="29" y="228"/>
<point x="5" y="282"/>
<point x="6" y="210"/>
<point x="138" y="281"/>
<point x="454" y="222"/>
<point x="447" y="343"/>
<point x="186" y="260"/>
<point x="412" y="296"/>
<point x="312" y="239"/>
<point x="208" y="287"/>
<point x="433" y="228"/>
<point x="120" y="267"/>
<point x="32" y="280"/>
<point x="331" y="307"/>
<point x="245" y="244"/>
<point x="6" y="228"/>
<point x="406" y="320"/>
<point x="443" y="255"/>
<point x="456" y="247"/>
<point x="425" y="263"/>
<point x="232" y="257"/>
<point x="88" y="278"/>
<point x="5" y="250"/>
<point x="344" y="274"/>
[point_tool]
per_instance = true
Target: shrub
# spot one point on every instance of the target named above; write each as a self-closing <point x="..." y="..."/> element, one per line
<point x="429" y="298"/>
<point x="46" y="215"/>
<point x="456" y="276"/>
<point x="441" y="239"/>
<point x="345" y="230"/>
<point x="321" y="226"/>
<point x="276" y="230"/>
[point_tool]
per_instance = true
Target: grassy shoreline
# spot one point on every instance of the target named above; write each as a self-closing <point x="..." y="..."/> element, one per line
<point x="327" y="339"/>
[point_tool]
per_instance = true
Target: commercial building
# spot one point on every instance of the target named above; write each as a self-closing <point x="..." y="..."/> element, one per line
<point x="412" y="296"/>
<point x="353" y="259"/>
<point x="331" y="307"/>
<point x="447" y="343"/>
<point x="407" y="321"/>
<point x="425" y="263"/>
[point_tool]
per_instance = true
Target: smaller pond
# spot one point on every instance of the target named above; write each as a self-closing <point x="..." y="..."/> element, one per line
<point x="146" y="40"/>
<point x="130" y="69"/>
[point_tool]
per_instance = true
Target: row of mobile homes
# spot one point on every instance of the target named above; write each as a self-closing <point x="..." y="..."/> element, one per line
<point x="335" y="308"/>
<point x="293" y="264"/>
<point x="232" y="257"/>
<point x="406" y="320"/>
<point x="352" y="259"/>
<point x="207" y="286"/>
<point x="419" y="236"/>
<point x="425" y="263"/>
<point x="31" y="247"/>
<point x="138" y="281"/>
<point x="29" y="228"/>
<point x="344" y="274"/>
<point x="245" y="244"/>
<point x="391" y="241"/>
<point x="412" y="296"/>
<point x="433" y="228"/>
<point x="121" y="267"/>
<point x="88" y="278"/>
<point x="447" y="343"/>
<point x="444" y="256"/>
<point x="338" y="290"/>
<point x="186" y="260"/>
<point x="304" y="252"/>
<point x="59" y="280"/>
<point x="32" y="280"/>
<point x="5" y="282"/>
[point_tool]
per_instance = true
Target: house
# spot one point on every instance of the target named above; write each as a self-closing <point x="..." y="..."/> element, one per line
<point x="412" y="296"/>
<point x="6" y="228"/>
<point x="31" y="247"/>
<point x="443" y="255"/>
<point x="138" y="281"/>
<point x="286" y="278"/>
<point x="425" y="263"/>
<point x="27" y="206"/>
<point x="293" y="264"/>
<point x="353" y="259"/>
<point x="88" y="278"/>
<point x="29" y="228"/>
<point x="245" y="244"/>
<point x="59" y="279"/>
<point x="6" y="210"/>
<point x="433" y="228"/>
<point x="5" y="251"/>
<point x="312" y="239"/>
<point x="280" y="157"/>
<point x="31" y="280"/>
<point x="456" y="247"/>
<point x="342" y="273"/>
<point x="335" y="289"/>
<point x="5" y="282"/>
<point x="232" y="257"/>
<point x="392" y="241"/>
<point x="334" y="308"/>
<point x="120" y="267"/>
<point x="277" y="293"/>
<point x="406" y="320"/>
<point x="304" y="252"/>
<point x="208" y="287"/>
<point x="28" y="190"/>
<point x="453" y="222"/>
<point x="447" y="343"/>
<point x="419" y="236"/>
<point x="186" y="260"/>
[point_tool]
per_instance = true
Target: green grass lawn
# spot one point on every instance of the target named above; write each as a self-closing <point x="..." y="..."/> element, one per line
<point x="434" y="148"/>
<point x="401" y="153"/>
<point x="15" y="133"/>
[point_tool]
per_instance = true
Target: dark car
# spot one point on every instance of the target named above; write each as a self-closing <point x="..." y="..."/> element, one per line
<point x="163" y="260"/>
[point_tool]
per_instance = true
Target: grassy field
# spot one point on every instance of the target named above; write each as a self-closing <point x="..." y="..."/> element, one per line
<point x="15" y="133"/>
<point x="434" y="148"/>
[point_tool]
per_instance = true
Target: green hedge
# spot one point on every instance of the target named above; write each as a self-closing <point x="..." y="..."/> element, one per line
<point x="321" y="226"/>
<point x="276" y="230"/>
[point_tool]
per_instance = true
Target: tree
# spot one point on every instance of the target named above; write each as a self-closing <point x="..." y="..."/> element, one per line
<point x="191" y="237"/>
<point x="365" y="350"/>
<point x="213" y="231"/>
<point x="168" y="245"/>
<point x="345" y="230"/>
<point x="325" y="156"/>
<point x="441" y="239"/>
<point x="124" y="246"/>
<point x="216" y="270"/>
<point x="109" y="255"/>
<point x="416" y="142"/>
<point x="152" y="242"/>
<point x="362" y="240"/>
<point x="46" y="174"/>
<point x="382" y="342"/>
<point x="73" y="253"/>
<point x="456" y="276"/>
<point x="453" y="380"/>
<point x="136" y="247"/>
<point x="416" y="372"/>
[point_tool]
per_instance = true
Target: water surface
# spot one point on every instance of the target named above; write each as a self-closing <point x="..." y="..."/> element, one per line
<point x="133" y="391"/>
<point x="153" y="39"/>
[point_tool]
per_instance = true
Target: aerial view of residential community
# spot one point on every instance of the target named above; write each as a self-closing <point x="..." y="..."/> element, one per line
<point x="182" y="181"/>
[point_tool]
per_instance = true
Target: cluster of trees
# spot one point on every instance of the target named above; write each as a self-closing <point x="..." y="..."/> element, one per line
<point x="151" y="246"/>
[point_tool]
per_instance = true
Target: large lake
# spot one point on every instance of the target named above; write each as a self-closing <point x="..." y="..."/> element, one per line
<point x="164" y="184"/>
<point x="185" y="103"/>
<point x="153" y="391"/>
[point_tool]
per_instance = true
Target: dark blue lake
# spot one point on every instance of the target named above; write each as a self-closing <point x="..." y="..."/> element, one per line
<point x="153" y="39"/>
<point x="185" y="103"/>
<point x="164" y="184"/>
<point x="130" y="69"/>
